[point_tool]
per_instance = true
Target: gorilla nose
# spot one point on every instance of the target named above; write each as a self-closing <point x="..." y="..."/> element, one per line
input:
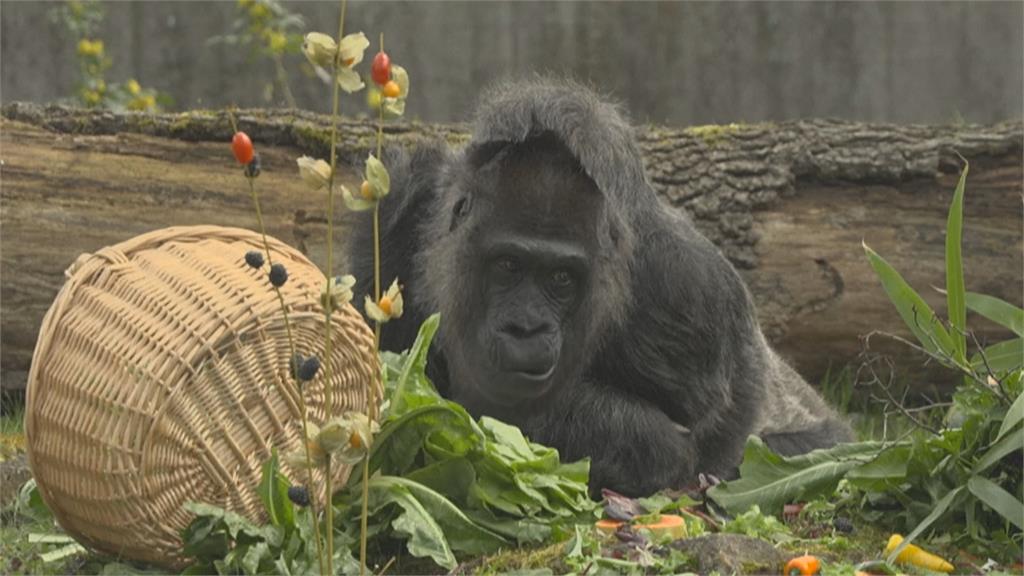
<point x="530" y="349"/>
<point x="522" y="329"/>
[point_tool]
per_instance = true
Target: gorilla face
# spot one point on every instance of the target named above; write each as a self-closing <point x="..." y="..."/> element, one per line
<point x="531" y="218"/>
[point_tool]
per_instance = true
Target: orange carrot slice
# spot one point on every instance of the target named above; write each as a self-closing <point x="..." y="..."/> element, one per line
<point x="669" y="524"/>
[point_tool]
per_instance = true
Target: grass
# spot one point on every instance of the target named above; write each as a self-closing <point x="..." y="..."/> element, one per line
<point x="863" y="408"/>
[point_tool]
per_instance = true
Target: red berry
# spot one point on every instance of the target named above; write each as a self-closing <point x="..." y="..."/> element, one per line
<point x="391" y="89"/>
<point x="242" y="147"/>
<point x="381" y="69"/>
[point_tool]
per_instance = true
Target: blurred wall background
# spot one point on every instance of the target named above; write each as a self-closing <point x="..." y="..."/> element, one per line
<point x="679" y="63"/>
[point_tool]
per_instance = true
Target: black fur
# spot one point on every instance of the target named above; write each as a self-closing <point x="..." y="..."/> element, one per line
<point x="661" y="368"/>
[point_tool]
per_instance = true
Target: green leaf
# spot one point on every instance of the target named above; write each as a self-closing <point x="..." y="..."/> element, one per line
<point x="889" y="469"/>
<point x="1013" y="416"/>
<point x="998" y="311"/>
<point x="770" y="481"/>
<point x="36" y="538"/>
<point x="451" y="477"/>
<point x="757" y="525"/>
<point x="253" y="556"/>
<point x="393" y="107"/>
<point x="461" y="533"/>
<point x="938" y="510"/>
<point x="1002" y="358"/>
<point x="30" y="502"/>
<point x="999" y="500"/>
<point x="523" y="531"/>
<point x="377" y="175"/>
<point x="61" y="553"/>
<point x="955" y="306"/>
<point x="425" y="538"/>
<point x="273" y="491"/>
<point x="999" y="450"/>
<point x="509" y="441"/>
<point x="412" y="388"/>
<point x="916" y="313"/>
<point x="400" y="441"/>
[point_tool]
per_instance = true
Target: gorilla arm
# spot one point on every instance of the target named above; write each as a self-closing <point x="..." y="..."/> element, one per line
<point x="634" y="447"/>
<point x="688" y="350"/>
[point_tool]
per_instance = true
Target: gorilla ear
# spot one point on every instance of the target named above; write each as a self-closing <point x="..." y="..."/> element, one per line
<point x="483" y="153"/>
<point x="459" y="211"/>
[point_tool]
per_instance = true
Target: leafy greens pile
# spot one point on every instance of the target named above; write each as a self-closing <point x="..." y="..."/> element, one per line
<point x="439" y="480"/>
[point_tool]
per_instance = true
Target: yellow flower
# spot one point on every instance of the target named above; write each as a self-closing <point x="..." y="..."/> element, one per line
<point x="315" y="173"/>
<point x="351" y="53"/>
<point x="319" y="49"/>
<point x="376" y="185"/>
<point x="91" y="97"/>
<point x="258" y="11"/>
<point x="373" y="98"/>
<point x="133" y="87"/>
<point x="348" y="437"/>
<point x="90" y="47"/>
<point x="277" y="41"/>
<point x="389" y="307"/>
<point x="147" y="102"/>
<point x="317" y="455"/>
<point x="337" y="291"/>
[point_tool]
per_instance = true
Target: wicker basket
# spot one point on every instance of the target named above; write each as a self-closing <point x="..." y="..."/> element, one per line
<point x="161" y="376"/>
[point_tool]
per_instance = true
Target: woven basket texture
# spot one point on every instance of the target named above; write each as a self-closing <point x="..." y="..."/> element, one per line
<point x="161" y="376"/>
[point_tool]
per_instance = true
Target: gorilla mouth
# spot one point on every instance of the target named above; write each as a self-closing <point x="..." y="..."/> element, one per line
<point x="534" y="374"/>
<point x="532" y="359"/>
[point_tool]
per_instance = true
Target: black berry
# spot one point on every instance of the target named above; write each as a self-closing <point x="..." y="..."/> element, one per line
<point x="299" y="495"/>
<point x="310" y="366"/>
<point x="278" y="275"/>
<point x="843" y="525"/>
<point x="294" y="364"/>
<point x="254" y="258"/>
<point x="252" y="169"/>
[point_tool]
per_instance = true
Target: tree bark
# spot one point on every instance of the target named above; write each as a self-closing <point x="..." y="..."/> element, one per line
<point x="788" y="204"/>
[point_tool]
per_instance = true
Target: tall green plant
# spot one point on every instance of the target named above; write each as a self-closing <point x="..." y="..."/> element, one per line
<point x="988" y="427"/>
<point x="963" y="480"/>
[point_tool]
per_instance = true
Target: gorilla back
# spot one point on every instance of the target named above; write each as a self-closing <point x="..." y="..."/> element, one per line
<point x="577" y="306"/>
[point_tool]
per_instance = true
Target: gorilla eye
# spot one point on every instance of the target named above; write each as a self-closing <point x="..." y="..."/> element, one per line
<point x="562" y="279"/>
<point x="508" y="265"/>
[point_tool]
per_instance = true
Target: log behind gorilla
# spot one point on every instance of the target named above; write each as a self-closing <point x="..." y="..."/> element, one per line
<point x="577" y="306"/>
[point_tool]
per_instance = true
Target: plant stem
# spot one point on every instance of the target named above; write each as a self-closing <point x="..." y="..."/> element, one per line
<point x="298" y="387"/>
<point x="282" y="81"/>
<point x="377" y="221"/>
<point x="328" y="307"/>
<point x="371" y="407"/>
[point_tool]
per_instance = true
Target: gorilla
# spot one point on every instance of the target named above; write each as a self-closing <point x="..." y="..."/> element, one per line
<point x="577" y="306"/>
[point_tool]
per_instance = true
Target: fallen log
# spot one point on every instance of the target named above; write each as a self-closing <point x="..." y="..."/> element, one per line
<point x="788" y="203"/>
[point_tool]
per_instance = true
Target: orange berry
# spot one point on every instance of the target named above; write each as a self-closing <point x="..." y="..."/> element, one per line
<point x="385" y="305"/>
<point x="391" y="89"/>
<point x="366" y="190"/>
<point x="241" y="145"/>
